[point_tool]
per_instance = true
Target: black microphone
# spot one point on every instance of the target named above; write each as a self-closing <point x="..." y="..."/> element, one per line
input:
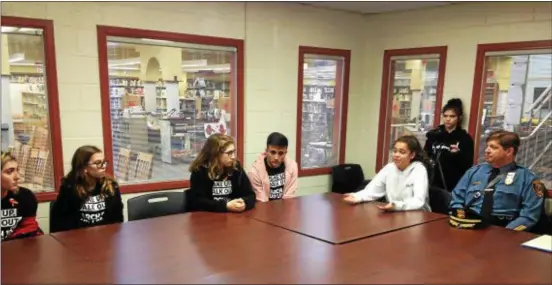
<point x="435" y="133"/>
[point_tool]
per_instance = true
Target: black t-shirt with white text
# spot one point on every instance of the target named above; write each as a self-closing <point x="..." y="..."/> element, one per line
<point x="19" y="214"/>
<point x="277" y="179"/>
<point x="93" y="209"/>
<point x="222" y="188"/>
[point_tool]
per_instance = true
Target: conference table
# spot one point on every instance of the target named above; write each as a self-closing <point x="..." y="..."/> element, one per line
<point x="326" y="217"/>
<point x="256" y="247"/>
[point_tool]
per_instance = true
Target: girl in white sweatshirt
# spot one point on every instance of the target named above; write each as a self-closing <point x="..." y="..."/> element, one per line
<point x="403" y="182"/>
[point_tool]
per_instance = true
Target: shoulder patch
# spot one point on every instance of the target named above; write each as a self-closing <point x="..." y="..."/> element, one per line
<point x="538" y="188"/>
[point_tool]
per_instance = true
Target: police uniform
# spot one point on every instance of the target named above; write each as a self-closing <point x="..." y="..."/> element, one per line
<point x="511" y="197"/>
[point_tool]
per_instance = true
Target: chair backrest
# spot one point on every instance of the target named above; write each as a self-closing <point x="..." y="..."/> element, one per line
<point x="544" y="224"/>
<point x="52" y="205"/>
<point x="346" y="178"/>
<point x="439" y="200"/>
<point x="156" y="205"/>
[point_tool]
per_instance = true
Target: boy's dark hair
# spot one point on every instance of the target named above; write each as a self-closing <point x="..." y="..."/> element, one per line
<point x="276" y="139"/>
<point x="505" y="139"/>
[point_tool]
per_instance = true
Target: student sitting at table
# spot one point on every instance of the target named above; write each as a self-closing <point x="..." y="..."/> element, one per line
<point x="218" y="181"/>
<point x="274" y="174"/>
<point x="19" y="204"/>
<point x="87" y="196"/>
<point x="403" y="182"/>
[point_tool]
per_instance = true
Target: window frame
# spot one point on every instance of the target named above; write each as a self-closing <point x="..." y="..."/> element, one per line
<point x="341" y="112"/>
<point x="479" y="78"/>
<point x="50" y="71"/>
<point x="237" y="68"/>
<point x="387" y="80"/>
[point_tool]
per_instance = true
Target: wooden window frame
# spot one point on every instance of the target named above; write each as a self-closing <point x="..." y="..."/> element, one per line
<point x="387" y="83"/>
<point x="237" y="68"/>
<point x="50" y="71"/>
<point x="479" y="77"/>
<point x="341" y="106"/>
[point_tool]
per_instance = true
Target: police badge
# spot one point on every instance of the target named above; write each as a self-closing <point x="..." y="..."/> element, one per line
<point x="509" y="178"/>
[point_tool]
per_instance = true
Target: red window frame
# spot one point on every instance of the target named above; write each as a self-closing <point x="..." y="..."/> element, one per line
<point x="386" y="85"/>
<point x="341" y="106"/>
<point x="479" y="78"/>
<point x="237" y="68"/>
<point x="50" y="71"/>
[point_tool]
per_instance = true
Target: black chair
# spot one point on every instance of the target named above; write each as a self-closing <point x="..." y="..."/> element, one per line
<point x="52" y="204"/>
<point x="156" y="205"/>
<point x="347" y="178"/>
<point x="439" y="200"/>
<point x="544" y="224"/>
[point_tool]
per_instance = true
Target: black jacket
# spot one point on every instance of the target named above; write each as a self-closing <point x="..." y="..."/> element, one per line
<point x="200" y="196"/>
<point x="71" y="212"/>
<point x="453" y="164"/>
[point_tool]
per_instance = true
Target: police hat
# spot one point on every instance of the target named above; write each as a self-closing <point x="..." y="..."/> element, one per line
<point x="466" y="219"/>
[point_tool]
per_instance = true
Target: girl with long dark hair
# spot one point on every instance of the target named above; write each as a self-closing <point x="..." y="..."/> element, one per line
<point x="87" y="196"/>
<point x="403" y="183"/>
<point x="449" y="147"/>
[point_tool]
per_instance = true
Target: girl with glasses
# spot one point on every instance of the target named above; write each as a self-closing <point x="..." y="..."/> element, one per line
<point x="218" y="181"/>
<point x="87" y="197"/>
<point x="19" y="204"/>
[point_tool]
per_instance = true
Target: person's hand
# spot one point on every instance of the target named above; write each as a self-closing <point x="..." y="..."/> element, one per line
<point x="350" y="199"/>
<point x="386" y="207"/>
<point x="236" y="205"/>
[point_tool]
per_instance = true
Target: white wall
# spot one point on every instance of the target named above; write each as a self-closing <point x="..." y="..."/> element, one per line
<point x="272" y="34"/>
<point x="461" y="27"/>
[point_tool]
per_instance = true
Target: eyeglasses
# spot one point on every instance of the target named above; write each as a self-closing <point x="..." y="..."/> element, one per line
<point x="100" y="164"/>
<point x="230" y="152"/>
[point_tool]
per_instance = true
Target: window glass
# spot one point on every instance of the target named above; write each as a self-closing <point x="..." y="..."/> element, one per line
<point x="166" y="98"/>
<point x="322" y="94"/>
<point x="517" y="97"/>
<point x="413" y="99"/>
<point x="25" y="115"/>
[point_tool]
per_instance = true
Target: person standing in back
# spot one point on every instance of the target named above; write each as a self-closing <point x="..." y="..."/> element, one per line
<point x="87" y="196"/>
<point x="449" y="147"/>
<point x="274" y="175"/>
<point x="19" y="204"/>
<point x="218" y="181"/>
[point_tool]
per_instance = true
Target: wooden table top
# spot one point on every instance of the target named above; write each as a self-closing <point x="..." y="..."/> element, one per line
<point x="40" y="260"/>
<point x="326" y="217"/>
<point x="190" y="248"/>
<point x="437" y="253"/>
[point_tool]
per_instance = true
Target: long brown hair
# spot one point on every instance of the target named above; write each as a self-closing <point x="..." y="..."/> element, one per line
<point x="77" y="178"/>
<point x="419" y="154"/>
<point x="210" y="154"/>
<point x="7" y="157"/>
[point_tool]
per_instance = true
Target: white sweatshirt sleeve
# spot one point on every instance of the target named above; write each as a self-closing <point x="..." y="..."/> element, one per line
<point x="376" y="188"/>
<point x="420" y="190"/>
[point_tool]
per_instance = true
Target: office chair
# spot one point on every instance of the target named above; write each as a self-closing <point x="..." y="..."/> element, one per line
<point x="347" y="178"/>
<point x="439" y="200"/>
<point x="156" y="205"/>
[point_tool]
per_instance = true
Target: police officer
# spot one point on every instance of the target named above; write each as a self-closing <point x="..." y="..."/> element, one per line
<point x="498" y="192"/>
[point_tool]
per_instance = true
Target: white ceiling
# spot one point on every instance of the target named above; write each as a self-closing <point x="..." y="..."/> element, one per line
<point x="375" y="7"/>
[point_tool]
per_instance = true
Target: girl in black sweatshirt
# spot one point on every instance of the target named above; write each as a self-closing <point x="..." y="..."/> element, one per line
<point x="218" y="181"/>
<point x="19" y="204"/>
<point x="450" y="147"/>
<point x="87" y="197"/>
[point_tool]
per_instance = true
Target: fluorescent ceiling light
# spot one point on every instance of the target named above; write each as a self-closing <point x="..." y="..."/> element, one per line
<point x="122" y="62"/>
<point x="190" y="63"/>
<point x="110" y="44"/>
<point x="26" y="64"/>
<point x="17" y="57"/>
<point x="9" y="29"/>
<point x="123" y="68"/>
<point x="155" y="41"/>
